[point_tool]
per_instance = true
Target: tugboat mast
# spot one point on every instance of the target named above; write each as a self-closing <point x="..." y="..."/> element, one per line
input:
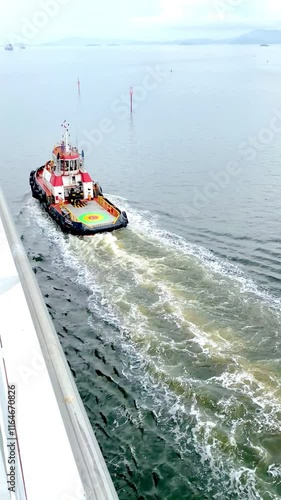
<point x="65" y="125"/>
<point x="68" y="193"/>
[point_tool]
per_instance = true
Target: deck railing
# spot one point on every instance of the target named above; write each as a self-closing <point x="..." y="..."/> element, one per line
<point x="72" y="216"/>
<point x="108" y="207"/>
<point x="90" y="463"/>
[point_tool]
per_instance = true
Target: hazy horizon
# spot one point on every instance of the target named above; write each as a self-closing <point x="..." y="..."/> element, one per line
<point x="52" y="20"/>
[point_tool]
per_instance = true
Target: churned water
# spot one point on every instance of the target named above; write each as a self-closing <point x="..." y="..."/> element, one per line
<point x="172" y="327"/>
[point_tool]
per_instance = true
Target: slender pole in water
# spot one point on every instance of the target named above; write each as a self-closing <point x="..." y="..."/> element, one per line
<point x="131" y="98"/>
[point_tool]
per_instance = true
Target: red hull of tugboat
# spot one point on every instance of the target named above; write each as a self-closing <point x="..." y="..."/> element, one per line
<point x="68" y="194"/>
<point x="61" y="213"/>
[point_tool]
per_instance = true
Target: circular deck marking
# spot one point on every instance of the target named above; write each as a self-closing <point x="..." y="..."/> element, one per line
<point x="92" y="218"/>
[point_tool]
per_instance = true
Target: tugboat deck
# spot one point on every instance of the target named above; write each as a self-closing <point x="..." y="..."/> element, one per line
<point x="92" y="214"/>
<point x="70" y="196"/>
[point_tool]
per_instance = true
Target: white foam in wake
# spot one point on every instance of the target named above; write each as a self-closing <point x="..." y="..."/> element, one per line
<point x="72" y="251"/>
<point x="145" y="224"/>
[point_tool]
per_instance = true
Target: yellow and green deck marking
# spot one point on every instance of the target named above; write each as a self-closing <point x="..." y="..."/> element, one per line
<point x="92" y="214"/>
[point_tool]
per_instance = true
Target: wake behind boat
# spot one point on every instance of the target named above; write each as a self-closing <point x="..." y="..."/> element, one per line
<point x="69" y="195"/>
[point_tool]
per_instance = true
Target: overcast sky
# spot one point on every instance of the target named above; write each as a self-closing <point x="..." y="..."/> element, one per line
<point x="134" y="19"/>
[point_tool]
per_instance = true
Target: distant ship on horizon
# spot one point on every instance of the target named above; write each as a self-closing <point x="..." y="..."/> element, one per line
<point x="9" y="47"/>
<point x="264" y="45"/>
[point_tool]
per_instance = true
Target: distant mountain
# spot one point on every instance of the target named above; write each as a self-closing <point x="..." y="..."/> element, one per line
<point x="92" y="42"/>
<point x="257" y="37"/>
<point x="197" y="41"/>
<point x="72" y="42"/>
<point x="89" y="42"/>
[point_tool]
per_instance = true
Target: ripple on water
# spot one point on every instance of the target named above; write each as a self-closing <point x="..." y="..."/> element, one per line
<point x="188" y="384"/>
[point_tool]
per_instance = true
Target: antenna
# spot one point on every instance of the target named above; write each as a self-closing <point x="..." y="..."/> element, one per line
<point x="78" y="111"/>
<point x="65" y="126"/>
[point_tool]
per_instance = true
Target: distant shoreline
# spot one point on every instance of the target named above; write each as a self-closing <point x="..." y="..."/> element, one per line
<point x="164" y="44"/>
<point x="256" y="37"/>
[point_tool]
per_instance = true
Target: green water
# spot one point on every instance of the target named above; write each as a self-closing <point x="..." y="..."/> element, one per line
<point x="172" y="327"/>
<point x="176" y="358"/>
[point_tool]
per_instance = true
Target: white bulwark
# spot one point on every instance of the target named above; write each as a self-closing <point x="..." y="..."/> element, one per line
<point x="48" y="450"/>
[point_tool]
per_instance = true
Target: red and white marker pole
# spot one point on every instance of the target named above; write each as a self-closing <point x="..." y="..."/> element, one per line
<point x="131" y="98"/>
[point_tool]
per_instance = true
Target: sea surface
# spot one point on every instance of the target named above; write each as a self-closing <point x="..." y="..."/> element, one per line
<point x="172" y="327"/>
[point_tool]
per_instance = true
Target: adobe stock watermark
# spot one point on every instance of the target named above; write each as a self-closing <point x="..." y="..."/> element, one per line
<point x="37" y="363"/>
<point x="250" y="148"/>
<point x="219" y="181"/>
<point x="247" y="150"/>
<point x="48" y="9"/>
<point x="120" y="107"/>
<point x="224" y="7"/>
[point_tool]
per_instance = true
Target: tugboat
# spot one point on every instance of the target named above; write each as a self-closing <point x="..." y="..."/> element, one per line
<point x="69" y="195"/>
